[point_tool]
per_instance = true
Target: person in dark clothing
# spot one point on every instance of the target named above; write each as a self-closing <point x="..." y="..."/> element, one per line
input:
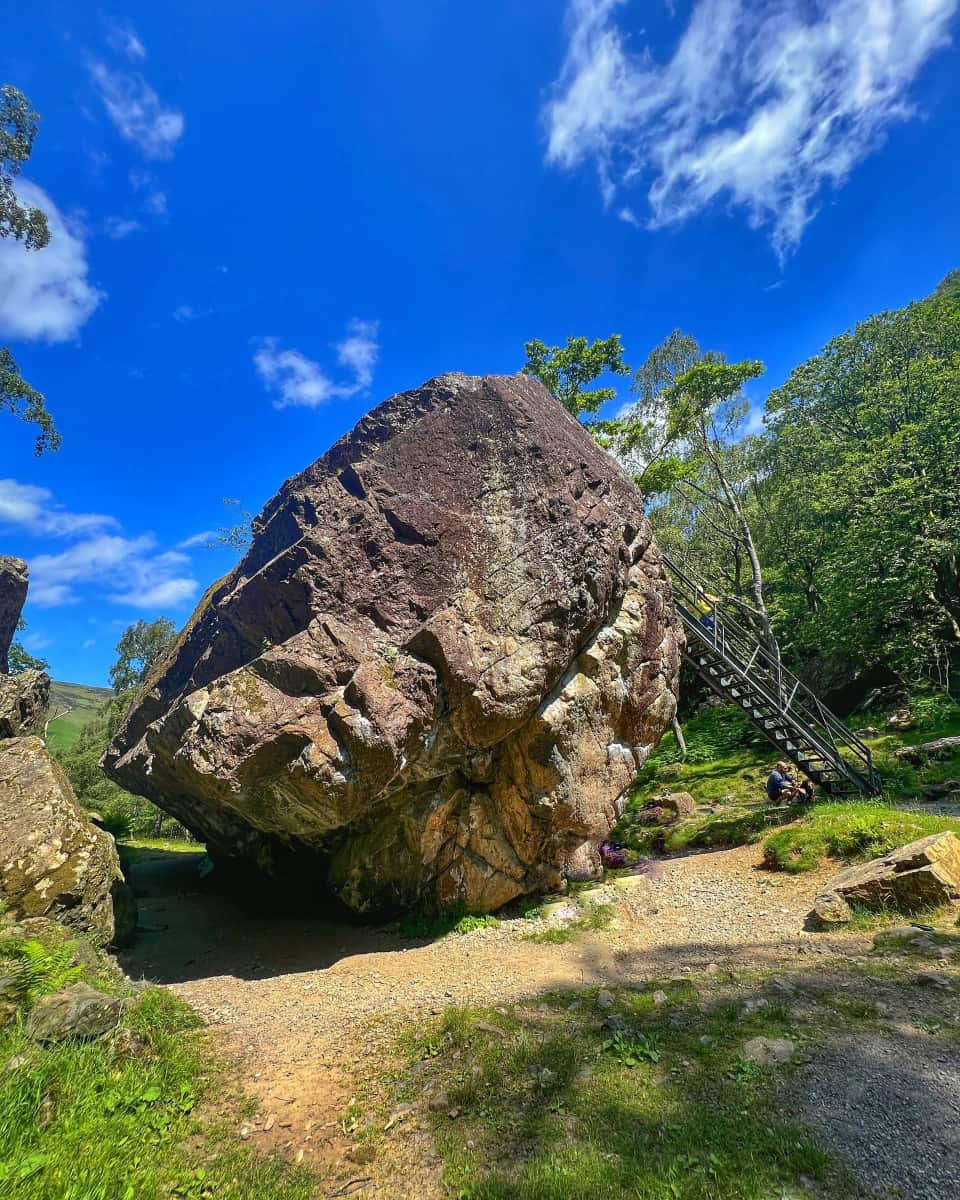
<point x="781" y="786"/>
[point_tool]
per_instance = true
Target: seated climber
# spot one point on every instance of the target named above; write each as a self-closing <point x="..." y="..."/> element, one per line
<point x="782" y="788"/>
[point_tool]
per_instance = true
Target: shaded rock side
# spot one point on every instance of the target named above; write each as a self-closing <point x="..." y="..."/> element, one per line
<point x="447" y="652"/>
<point x="24" y="703"/>
<point x="922" y="874"/>
<point x="53" y="862"/>
<point x="13" y="594"/>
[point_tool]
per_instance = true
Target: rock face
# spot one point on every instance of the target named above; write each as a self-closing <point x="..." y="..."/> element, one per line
<point x="24" y="702"/>
<point x="53" y="862"/>
<point x="921" y="874"/>
<point x="13" y="593"/>
<point x="437" y="669"/>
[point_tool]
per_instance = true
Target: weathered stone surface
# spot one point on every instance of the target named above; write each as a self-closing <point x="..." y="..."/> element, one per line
<point x="944" y="747"/>
<point x="830" y="909"/>
<point x="438" y="668"/>
<point x="53" y="862"/>
<point x="682" y="803"/>
<point x="24" y="702"/>
<point x="78" y="1011"/>
<point x="919" y="875"/>
<point x="13" y="593"/>
<point x="769" y="1052"/>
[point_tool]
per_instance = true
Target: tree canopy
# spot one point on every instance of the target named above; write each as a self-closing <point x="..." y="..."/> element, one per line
<point x="139" y="648"/>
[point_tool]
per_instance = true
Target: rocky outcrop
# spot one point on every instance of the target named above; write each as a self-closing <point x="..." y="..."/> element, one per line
<point x="13" y="593"/>
<point x="78" y="1012"/>
<point x="437" y="669"/>
<point x="923" y="874"/>
<point x="24" y="703"/>
<point x="53" y="862"/>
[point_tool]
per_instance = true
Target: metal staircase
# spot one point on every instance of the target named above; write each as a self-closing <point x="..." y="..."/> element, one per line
<point x="733" y="662"/>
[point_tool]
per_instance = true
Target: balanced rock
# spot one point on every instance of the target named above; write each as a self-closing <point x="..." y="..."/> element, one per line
<point x="923" y="874"/>
<point x="13" y="593"/>
<point x="53" y="862"/>
<point x="437" y="669"/>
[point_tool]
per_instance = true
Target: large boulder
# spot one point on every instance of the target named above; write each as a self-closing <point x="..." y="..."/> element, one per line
<point x="53" y="862"/>
<point x="923" y="874"/>
<point x="13" y="593"/>
<point x="436" y="671"/>
<point x="24" y="703"/>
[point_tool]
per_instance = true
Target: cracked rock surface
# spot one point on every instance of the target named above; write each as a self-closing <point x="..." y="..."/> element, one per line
<point x="437" y="669"/>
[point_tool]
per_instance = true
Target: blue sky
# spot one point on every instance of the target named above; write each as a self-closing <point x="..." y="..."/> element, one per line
<point x="268" y="218"/>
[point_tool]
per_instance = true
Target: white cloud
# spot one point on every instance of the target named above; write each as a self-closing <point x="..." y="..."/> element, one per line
<point x="137" y="111"/>
<point x="156" y="203"/>
<point x="122" y="37"/>
<point x="88" y="643"/>
<point x="299" y="381"/>
<point x="204" y="538"/>
<point x="120" y="227"/>
<point x="31" y="508"/>
<point x="37" y="641"/>
<point x="126" y="570"/>
<point x="764" y="105"/>
<point x="629" y="217"/>
<point x="45" y="295"/>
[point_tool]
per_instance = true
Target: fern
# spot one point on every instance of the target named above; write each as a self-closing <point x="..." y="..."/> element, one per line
<point x="37" y="970"/>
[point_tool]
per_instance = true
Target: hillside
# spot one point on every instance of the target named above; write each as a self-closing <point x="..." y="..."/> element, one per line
<point x="78" y="702"/>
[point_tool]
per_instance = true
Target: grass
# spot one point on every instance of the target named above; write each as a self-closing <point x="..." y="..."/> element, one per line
<point x="82" y="702"/>
<point x="853" y="831"/>
<point x="116" y="1119"/>
<point x="431" y="926"/>
<point x="662" y="1107"/>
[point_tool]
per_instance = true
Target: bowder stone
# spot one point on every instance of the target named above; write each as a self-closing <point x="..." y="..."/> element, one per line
<point x="437" y="669"/>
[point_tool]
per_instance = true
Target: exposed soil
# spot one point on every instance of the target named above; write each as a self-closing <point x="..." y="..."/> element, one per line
<point x="301" y="1005"/>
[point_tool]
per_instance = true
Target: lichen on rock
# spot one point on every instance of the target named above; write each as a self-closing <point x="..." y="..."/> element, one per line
<point x="436" y="671"/>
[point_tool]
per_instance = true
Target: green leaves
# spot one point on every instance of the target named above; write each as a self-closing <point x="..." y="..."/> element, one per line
<point x="567" y="370"/>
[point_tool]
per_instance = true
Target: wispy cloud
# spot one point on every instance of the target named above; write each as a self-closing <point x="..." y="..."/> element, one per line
<point x="88" y="643"/>
<point x="125" y="570"/>
<point x="121" y="227"/>
<point x="133" y="571"/>
<point x="764" y="105"/>
<point x="137" y="112"/>
<point x="46" y="295"/>
<point x="187" y="312"/>
<point x="33" y="509"/>
<point x="299" y="381"/>
<point x="205" y="538"/>
<point x="122" y="37"/>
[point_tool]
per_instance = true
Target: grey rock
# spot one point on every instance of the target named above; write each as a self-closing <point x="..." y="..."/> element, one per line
<point x="13" y="593"/>
<point x="24" y="703"/>
<point x="769" y="1052"/>
<point x="922" y="874"/>
<point x="79" y="1012"/>
<point x="830" y="909"/>
<point x="935" y="979"/>
<point x="53" y="862"/>
<point x="605" y="999"/>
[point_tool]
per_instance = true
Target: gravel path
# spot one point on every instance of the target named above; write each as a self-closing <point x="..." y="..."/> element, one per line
<point x="294" y="1000"/>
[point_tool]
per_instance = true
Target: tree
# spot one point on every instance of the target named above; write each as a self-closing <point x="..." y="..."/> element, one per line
<point x="18" y="128"/>
<point x="863" y="480"/>
<point x="566" y="371"/>
<point x="20" y="659"/>
<point x="138" y="649"/>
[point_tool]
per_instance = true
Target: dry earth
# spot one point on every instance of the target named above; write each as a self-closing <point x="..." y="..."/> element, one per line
<point x="303" y="1007"/>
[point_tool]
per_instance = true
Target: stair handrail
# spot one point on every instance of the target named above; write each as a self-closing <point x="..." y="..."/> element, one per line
<point x="789" y="695"/>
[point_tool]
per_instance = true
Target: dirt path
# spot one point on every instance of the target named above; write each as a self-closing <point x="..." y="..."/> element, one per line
<point x="289" y="996"/>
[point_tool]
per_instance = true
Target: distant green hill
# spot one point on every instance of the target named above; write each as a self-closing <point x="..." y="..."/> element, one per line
<point x="79" y="704"/>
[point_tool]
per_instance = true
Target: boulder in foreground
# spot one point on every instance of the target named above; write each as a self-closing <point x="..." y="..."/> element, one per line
<point x="923" y="874"/>
<point x="53" y="862"/>
<point x="438" y="668"/>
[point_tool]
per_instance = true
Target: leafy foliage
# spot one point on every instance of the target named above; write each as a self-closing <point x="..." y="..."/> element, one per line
<point x="139" y="648"/>
<point x="20" y="659"/>
<point x="35" y="969"/>
<point x="566" y="371"/>
<point x="18" y="128"/>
